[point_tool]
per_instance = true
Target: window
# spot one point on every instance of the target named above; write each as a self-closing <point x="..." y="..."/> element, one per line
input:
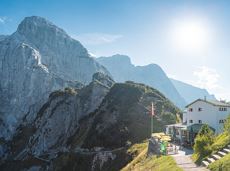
<point x="199" y="109"/>
<point x="170" y="130"/>
<point x="177" y="132"/>
<point x="221" y="121"/>
<point x="190" y="109"/>
<point x="190" y="121"/>
<point x="200" y="121"/>
<point x="222" y="109"/>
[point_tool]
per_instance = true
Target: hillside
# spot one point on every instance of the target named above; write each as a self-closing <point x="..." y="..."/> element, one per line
<point x="122" y="70"/>
<point x="191" y="93"/>
<point x="142" y="162"/>
<point x="68" y="134"/>
<point x="121" y="120"/>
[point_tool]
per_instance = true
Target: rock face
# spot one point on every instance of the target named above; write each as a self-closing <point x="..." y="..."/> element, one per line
<point x="2" y="37"/>
<point x="123" y="70"/>
<point x="191" y="93"/>
<point x="153" y="147"/>
<point x="34" y="61"/>
<point x="58" y="119"/>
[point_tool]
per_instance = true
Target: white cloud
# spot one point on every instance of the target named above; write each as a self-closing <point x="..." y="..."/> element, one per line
<point x="3" y="19"/>
<point x="172" y="76"/>
<point x="92" y="54"/>
<point x="97" y="38"/>
<point x="207" y="78"/>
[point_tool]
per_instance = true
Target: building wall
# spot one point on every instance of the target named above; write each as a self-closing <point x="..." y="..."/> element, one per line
<point x="210" y="115"/>
<point x="222" y="115"/>
<point x="184" y="116"/>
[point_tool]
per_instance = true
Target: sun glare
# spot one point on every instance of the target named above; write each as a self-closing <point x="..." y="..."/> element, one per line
<point x="190" y="36"/>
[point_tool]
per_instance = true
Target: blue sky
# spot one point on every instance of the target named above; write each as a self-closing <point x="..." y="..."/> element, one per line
<point x="146" y="30"/>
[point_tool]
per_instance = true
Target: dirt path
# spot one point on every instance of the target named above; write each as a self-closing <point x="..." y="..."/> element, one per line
<point x="186" y="163"/>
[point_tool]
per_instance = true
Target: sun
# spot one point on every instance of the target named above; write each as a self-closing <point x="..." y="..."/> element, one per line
<point x="189" y="36"/>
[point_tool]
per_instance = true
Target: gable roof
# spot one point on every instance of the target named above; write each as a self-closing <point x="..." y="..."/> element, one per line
<point x="212" y="102"/>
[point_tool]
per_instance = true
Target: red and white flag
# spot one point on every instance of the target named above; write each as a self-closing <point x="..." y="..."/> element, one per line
<point x="152" y="111"/>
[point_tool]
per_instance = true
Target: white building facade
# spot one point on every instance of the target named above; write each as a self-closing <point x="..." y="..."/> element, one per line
<point x="208" y="112"/>
<point x="199" y="112"/>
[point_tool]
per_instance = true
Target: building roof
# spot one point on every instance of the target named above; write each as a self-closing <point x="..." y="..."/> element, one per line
<point x="212" y="102"/>
<point x="178" y="125"/>
<point x="196" y="128"/>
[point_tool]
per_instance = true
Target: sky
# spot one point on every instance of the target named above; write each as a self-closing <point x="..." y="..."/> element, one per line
<point x="190" y="40"/>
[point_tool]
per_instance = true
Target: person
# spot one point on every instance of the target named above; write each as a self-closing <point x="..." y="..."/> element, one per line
<point x="175" y="149"/>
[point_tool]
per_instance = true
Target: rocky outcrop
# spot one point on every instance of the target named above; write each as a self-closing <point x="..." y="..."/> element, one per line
<point x="58" y="119"/>
<point x="36" y="60"/>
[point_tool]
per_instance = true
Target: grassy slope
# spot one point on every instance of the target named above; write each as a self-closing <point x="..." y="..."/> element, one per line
<point x="221" y="165"/>
<point x="220" y="142"/>
<point x="141" y="162"/>
<point x="224" y="163"/>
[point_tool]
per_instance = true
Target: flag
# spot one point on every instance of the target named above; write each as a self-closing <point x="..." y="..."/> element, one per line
<point x="152" y="110"/>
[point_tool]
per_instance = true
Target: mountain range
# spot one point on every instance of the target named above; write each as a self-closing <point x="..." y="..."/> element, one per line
<point x="179" y="93"/>
<point x="191" y="93"/>
<point x="60" y="109"/>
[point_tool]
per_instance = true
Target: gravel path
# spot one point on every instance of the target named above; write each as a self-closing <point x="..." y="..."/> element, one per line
<point x="186" y="163"/>
<point x="183" y="160"/>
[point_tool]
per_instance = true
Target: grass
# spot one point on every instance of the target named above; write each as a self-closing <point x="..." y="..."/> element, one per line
<point x="142" y="162"/>
<point x="224" y="163"/>
<point x="221" y="165"/>
<point x="136" y="149"/>
<point x="220" y="141"/>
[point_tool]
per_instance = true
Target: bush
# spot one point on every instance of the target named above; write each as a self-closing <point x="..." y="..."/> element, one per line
<point x="203" y="143"/>
<point x="221" y="141"/>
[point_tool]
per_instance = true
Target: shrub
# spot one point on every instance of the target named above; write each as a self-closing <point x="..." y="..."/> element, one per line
<point x="203" y="143"/>
<point x="221" y="141"/>
<point x="227" y="125"/>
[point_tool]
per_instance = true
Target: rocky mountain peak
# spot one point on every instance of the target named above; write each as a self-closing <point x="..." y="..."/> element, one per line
<point x="49" y="38"/>
<point x="36" y="60"/>
<point x="118" y="59"/>
<point x="33" y="24"/>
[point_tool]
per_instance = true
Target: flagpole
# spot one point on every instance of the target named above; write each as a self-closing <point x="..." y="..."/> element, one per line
<point x="152" y="119"/>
